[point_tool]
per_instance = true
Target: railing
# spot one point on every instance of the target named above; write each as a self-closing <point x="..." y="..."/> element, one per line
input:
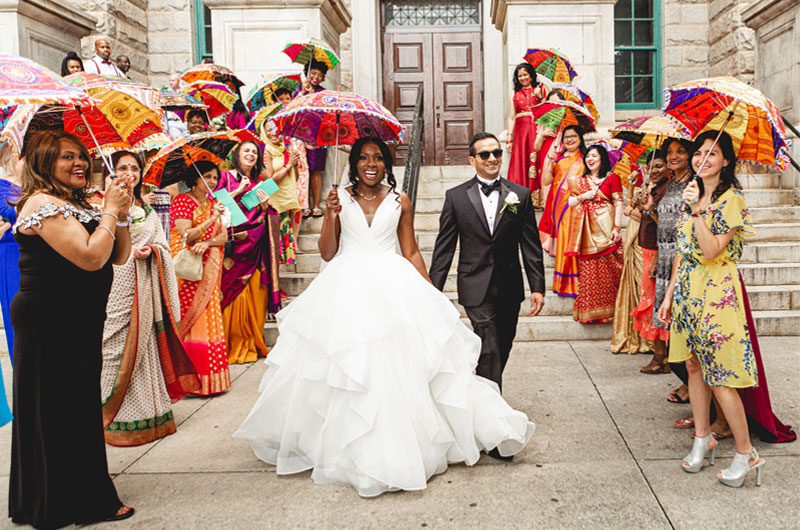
<point x="414" y="154"/>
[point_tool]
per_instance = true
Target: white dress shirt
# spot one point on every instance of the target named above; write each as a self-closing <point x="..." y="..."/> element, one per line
<point x="489" y="202"/>
<point x="98" y="65"/>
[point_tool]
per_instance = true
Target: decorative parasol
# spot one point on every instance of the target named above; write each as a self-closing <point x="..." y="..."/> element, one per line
<point x="261" y="94"/>
<point x="576" y="95"/>
<point x="266" y="113"/>
<point x="304" y="51"/>
<point x="217" y="97"/>
<point x="557" y="115"/>
<point x="172" y="100"/>
<point x="23" y="81"/>
<point x="744" y="112"/>
<point x="212" y="72"/>
<point x="621" y="161"/>
<point x="650" y="131"/>
<point x="172" y="162"/>
<point x="551" y="64"/>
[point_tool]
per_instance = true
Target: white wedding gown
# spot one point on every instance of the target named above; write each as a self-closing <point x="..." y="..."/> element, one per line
<point x="371" y="381"/>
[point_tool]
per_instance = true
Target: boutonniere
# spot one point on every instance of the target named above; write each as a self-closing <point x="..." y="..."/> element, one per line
<point x="512" y="200"/>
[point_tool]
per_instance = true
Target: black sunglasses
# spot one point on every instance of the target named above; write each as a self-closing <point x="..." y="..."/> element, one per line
<point x="498" y="153"/>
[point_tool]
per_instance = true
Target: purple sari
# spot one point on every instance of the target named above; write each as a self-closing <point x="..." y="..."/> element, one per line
<point x="259" y="250"/>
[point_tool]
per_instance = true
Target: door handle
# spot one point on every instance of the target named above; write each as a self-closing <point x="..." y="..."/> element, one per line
<point x="438" y="122"/>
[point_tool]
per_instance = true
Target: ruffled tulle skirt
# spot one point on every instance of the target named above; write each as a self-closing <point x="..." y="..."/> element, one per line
<point x="371" y="383"/>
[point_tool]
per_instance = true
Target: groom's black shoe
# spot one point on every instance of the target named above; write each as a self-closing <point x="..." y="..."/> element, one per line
<point x="497" y="456"/>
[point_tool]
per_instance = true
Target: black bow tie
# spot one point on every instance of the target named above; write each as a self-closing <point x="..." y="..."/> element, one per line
<point x="487" y="189"/>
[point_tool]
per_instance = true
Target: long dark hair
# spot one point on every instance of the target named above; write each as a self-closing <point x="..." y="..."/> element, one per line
<point x="256" y="170"/>
<point x="577" y="129"/>
<point x="71" y="56"/>
<point x="528" y="68"/>
<point x="115" y="158"/>
<point x="727" y="177"/>
<point x="355" y="154"/>
<point x="605" y="163"/>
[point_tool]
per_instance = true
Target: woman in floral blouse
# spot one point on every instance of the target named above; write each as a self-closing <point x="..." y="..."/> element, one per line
<point x="705" y="298"/>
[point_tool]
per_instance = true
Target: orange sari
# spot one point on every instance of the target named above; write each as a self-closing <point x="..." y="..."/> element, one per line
<point x="201" y="329"/>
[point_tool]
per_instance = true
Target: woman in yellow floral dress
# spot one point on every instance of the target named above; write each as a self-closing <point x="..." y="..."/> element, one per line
<point x="706" y="304"/>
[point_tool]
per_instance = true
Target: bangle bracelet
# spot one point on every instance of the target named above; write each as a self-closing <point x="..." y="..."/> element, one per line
<point x="617" y="227"/>
<point x="109" y="232"/>
<point x="126" y="223"/>
<point x="111" y="214"/>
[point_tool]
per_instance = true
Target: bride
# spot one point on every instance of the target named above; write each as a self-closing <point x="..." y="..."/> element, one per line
<point x="371" y="381"/>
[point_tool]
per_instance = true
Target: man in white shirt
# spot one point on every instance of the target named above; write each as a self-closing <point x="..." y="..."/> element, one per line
<point x="101" y="63"/>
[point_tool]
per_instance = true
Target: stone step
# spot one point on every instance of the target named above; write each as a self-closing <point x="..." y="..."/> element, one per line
<point x="776" y="232"/>
<point x="775" y="214"/>
<point x="782" y="274"/>
<point x="564" y="328"/>
<point x="774" y="297"/>
<point x="771" y="252"/>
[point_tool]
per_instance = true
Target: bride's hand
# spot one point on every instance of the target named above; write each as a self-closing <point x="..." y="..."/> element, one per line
<point x="332" y="203"/>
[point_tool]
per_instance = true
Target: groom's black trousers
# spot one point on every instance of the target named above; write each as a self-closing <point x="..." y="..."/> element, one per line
<point x="495" y="322"/>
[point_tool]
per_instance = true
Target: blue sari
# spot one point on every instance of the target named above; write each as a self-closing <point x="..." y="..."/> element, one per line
<point x="9" y="259"/>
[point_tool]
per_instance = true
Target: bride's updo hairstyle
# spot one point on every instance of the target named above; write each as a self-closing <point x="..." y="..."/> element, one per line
<point x="355" y="154"/>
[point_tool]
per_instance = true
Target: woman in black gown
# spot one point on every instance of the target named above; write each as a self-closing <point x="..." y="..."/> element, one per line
<point x="59" y="473"/>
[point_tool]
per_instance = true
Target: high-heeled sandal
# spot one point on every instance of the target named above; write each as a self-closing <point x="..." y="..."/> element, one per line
<point x="693" y="462"/>
<point x="124" y="512"/>
<point x="735" y="474"/>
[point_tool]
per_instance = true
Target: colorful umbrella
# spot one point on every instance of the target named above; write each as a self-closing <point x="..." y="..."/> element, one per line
<point x="552" y="64"/>
<point x="621" y="161"/>
<point x="576" y="95"/>
<point x="557" y="115"/>
<point x="171" y="163"/>
<point x="744" y="112"/>
<point x="261" y="94"/>
<point x="217" y="97"/>
<point x="266" y="113"/>
<point x="23" y="81"/>
<point x="314" y="118"/>
<point x="304" y="51"/>
<point x="171" y="100"/>
<point x="650" y="131"/>
<point x="212" y="72"/>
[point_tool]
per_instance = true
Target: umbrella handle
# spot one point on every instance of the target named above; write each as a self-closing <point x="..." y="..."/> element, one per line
<point x="106" y="161"/>
<point x="210" y="191"/>
<point x="336" y="149"/>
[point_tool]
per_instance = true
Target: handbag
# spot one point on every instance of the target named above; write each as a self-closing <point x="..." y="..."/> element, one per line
<point x="187" y="264"/>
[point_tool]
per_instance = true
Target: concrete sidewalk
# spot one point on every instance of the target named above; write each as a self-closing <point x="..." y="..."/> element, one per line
<point x="604" y="455"/>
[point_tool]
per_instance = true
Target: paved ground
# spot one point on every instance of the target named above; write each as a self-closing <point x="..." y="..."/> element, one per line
<point x="604" y="456"/>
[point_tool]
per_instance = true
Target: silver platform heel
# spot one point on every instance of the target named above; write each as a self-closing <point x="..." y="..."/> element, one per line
<point x="734" y="475"/>
<point x="693" y="462"/>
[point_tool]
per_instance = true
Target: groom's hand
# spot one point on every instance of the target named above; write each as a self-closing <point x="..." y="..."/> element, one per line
<point x="537" y="303"/>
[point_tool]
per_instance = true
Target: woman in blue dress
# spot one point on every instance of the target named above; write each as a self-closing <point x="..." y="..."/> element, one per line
<point x="9" y="250"/>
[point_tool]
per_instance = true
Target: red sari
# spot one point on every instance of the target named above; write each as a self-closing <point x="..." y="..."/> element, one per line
<point x="599" y="260"/>
<point x="522" y="168"/>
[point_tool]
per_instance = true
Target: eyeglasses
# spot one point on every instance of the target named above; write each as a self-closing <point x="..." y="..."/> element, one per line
<point x="497" y="153"/>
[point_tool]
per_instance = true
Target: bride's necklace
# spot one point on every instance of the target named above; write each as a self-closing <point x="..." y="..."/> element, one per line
<point x="368" y="198"/>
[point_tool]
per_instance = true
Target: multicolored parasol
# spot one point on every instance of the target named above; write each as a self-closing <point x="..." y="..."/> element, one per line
<point x="23" y="81"/>
<point x="744" y="112"/>
<point x="172" y="100"/>
<point x="650" y="131"/>
<point x="621" y="161"/>
<point x="314" y="118"/>
<point x="304" y="51"/>
<point x="212" y="72"/>
<point x="552" y="64"/>
<point x="172" y="162"/>
<point x="557" y="115"/>
<point x="217" y="97"/>
<point x="266" y="113"/>
<point x="261" y="94"/>
<point x="576" y="95"/>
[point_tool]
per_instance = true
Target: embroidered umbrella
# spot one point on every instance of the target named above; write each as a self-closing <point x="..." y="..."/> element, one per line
<point x="172" y="100"/>
<point x="172" y="162"/>
<point x="304" y="51"/>
<point x="552" y="64"/>
<point x="557" y="115"/>
<point x="650" y="131"/>
<point x="23" y="81"/>
<point x="622" y="163"/>
<point x="315" y="118"/>
<point x="266" y="113"/>
<point x="217" y="97"/>
<point x="261" y="94"/>
<point x="572" y="93"/>
<point x="212" y="72"/>
<point x="744" y="112"/>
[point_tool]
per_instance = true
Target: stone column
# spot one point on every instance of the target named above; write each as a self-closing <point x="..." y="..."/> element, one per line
<point x="170" y="38"/>
<point x="731" y="43"/>
<point x="582" y="29"/>
<point x="366" y="38"/>
<point x="777" y="64"/>
<point x="685" y="39"/>
<point x="43" y="30"/>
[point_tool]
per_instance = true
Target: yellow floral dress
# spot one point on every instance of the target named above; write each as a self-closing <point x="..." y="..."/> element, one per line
<point x="708" y="318"/>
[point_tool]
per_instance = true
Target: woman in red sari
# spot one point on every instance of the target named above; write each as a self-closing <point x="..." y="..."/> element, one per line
<point x="196" y="217"/>
<point x="596" y="201"/>
<point x="521" y="140"/>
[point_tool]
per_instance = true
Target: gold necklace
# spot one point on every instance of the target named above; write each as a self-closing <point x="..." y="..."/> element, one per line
<point x="368" y="198"/>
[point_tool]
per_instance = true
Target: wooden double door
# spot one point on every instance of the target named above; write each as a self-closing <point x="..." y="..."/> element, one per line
<point x="447" y="66"/>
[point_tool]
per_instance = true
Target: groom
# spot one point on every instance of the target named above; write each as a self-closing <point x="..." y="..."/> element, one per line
<point x="493" y="219"/>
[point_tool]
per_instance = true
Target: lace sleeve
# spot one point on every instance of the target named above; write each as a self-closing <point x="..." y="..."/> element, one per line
<point x="49" y="209"/>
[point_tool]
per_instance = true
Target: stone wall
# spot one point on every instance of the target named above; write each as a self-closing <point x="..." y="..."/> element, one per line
<point x="731" y="43"/>
<point x="124" y="24"/>
<point x="685" y="39"/>
<point x="170" y="34"/>
<point x="346" y="54"/>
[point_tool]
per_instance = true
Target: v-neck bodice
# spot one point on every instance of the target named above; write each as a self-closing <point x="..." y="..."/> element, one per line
<point x="358" y="235"/>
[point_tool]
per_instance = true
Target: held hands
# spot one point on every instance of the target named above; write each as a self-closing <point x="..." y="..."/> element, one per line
<point x="118" y="195"/>
<point x="691" y="195"/>
<point x="332" y="203"/>
<point x="306" y="87"/>
<point x="149" y="198"/>
<point x="665" y="311"/>
<point x="263" y="198"/>
<point x="142" y="252"/>
<point x="537" y="303"/>
<point x="615" y="236"/>
<point x="219" y="209"/>
<point x="243" y="185"/>
<point x="294" y="158"/>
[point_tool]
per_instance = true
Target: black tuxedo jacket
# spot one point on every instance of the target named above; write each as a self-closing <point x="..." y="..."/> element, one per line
<point x="484" y="255"/>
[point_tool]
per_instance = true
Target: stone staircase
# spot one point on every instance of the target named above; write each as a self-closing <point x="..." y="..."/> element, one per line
<point x="770" y="264"/>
